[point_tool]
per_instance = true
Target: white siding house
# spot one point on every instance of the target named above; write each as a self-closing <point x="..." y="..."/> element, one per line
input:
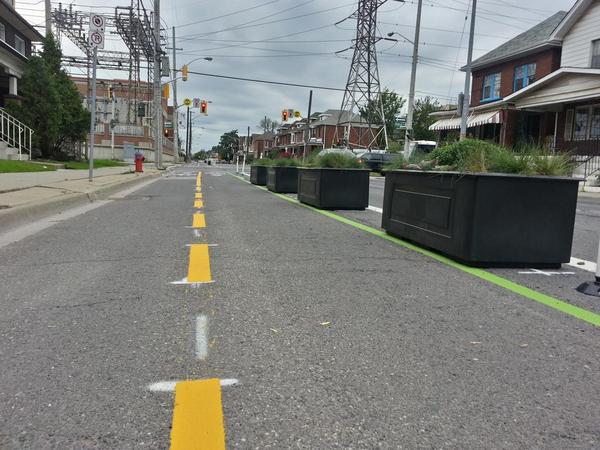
<point x="579" y="33"/>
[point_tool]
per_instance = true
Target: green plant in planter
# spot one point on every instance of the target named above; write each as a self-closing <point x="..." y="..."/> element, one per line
<point x="474" y="156"/>
<point x="285" y="162"/>
<point x="263" y="162"/>
<point x="336" y="161"/>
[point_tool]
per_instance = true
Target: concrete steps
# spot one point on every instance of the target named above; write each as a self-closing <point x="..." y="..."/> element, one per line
<point x="11" y="153"/>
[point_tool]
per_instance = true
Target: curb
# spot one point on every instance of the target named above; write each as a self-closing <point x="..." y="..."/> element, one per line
<point x="13" y="217"/>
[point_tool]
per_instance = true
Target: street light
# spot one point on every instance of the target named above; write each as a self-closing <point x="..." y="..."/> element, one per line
<point x="413" y="75"/>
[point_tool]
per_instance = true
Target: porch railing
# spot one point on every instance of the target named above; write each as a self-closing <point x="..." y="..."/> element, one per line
<point x="15" y="133"/>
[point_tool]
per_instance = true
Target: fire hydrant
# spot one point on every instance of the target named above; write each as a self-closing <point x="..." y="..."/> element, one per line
<point x="139" y="159"/>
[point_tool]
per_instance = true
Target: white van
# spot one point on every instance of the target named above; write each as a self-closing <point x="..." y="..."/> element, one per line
<point x="419" y="146"/>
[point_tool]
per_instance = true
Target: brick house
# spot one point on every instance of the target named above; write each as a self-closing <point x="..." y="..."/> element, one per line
<point x="322" y="132"/>
<point x="498" y="74"/>
<point x="542" y="87"/>
<point x="132" y="119"/>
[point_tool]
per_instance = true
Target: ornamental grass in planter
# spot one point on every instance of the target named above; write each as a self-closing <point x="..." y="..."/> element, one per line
<point x="282" y="176"/>
<point x="258" y="171"/>
<point x="485" y="205"/>
<point x="334" y="181"/>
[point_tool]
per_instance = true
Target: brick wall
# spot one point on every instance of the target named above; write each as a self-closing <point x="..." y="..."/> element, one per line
<point x="546" y="61"/>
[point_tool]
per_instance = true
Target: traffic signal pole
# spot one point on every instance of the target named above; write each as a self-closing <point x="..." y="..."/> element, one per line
<point x="175" y="110"/>
<point x="158" y="129"/>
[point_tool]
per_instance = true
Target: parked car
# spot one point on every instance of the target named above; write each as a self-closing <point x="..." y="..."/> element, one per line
<point x="376" y="161"/>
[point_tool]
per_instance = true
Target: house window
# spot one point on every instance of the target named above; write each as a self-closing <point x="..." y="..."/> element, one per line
<point x="491" y="87"/>
<point x="595" y="123"/>
<point x="595" y="63"/>
<point x="19" y="45"/>
<point x="524" y="75"/>
<point x="582" y="119"/>
<point x="2" y="32"/>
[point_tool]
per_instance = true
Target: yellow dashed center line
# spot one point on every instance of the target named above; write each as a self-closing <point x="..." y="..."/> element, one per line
<point x="198" y="204"/>
<point x="199" y="221"/>
<point x="198" y="416"/>
<point x="198" y="196"/>
<point x="199" y="265"/>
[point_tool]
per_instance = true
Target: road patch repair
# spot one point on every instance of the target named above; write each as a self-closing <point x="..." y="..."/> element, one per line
<point x="531" y="294"/>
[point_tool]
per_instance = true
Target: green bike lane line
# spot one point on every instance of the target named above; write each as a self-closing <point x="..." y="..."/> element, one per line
<point x="554" y="303"/>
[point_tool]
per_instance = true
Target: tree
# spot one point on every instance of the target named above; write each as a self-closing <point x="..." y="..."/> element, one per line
<point x="228" y="145"/>
<point x="202" y="154"/>
<point x="38" y="107"/>
<point x="392" y="105"/>
<point x="268" y="124"/>
<point x="50" y="104"/>
<point x="422" y="119"/>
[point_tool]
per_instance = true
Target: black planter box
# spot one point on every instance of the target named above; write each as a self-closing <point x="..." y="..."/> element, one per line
<point x="258" y="175"/>
<point x="484" y="220"/>
<point x="334" y="188"/>
<point x="282" y="179"/>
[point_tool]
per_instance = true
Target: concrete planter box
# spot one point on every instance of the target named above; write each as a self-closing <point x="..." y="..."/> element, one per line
<point x="327" y="188"/>
<point x="485" y="220"/>
<point x="282" y="179"/>
<point x="258" y="175"/>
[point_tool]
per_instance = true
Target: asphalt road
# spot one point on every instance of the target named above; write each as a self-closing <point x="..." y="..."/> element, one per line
<point x="339" y="339"/>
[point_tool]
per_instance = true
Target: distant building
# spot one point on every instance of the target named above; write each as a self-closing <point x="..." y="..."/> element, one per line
<point x="131" y="119"/>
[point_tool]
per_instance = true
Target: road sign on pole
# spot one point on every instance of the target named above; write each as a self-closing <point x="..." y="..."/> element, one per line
<point x="96" y="34"/>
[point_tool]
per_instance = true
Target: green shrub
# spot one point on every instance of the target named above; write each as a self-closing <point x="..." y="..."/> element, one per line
<point x="336" y="161"/>
<point x="396" y="163"/>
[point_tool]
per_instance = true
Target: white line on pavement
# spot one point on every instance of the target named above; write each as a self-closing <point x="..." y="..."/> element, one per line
<point x="169" y="386"/>
<point x="545" y="273"/>
<point x="193" y="284"/>
<point x="375" y="208"/>
<point x="201" y="337"/>
<point x="583" y="264"/>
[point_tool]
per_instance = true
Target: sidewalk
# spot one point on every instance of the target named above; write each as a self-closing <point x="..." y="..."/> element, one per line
<point x="25" y="196"/>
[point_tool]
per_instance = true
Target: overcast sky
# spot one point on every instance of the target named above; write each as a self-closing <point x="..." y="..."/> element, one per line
<point x="298" y="41"/>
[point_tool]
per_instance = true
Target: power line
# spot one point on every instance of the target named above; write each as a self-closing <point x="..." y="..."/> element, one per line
<point x="228" y="14"/>
<point x="255" y="80"/>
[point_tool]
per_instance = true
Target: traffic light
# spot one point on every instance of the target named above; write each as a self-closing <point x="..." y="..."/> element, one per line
<point x="184" y="72"/>
<point x="141" y="110"/>
<point x="204" y="107"/>
<point x="166" y="91"/>
<point x="110" y="92"/>
<point x="284" y="115"/>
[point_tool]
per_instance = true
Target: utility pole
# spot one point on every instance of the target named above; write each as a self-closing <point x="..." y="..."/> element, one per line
<point x="467" y="92"/>
<point x="157" y="89"/>
<point x="413" y="78"/>
<point x="93" y="116"/>
<point x="307" y="132"/>
<point x="48" y="17"/>
<point x="175" y="110"/>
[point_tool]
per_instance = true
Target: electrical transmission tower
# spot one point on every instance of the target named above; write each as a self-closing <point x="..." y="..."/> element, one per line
<point x="362" y="117"/>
